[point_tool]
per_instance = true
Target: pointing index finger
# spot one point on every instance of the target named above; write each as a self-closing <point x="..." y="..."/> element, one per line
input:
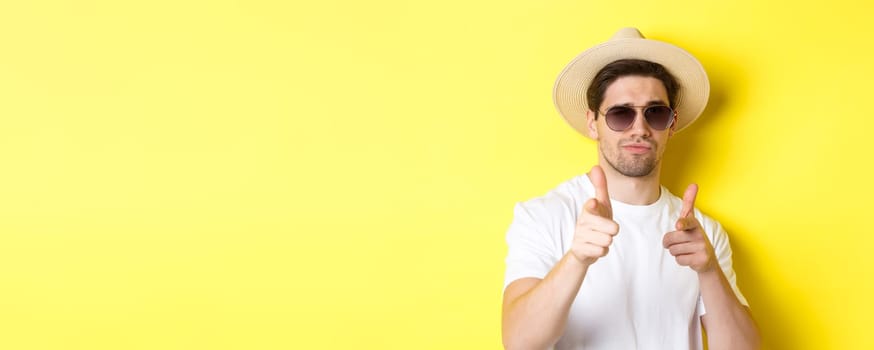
<point x="599" y="181"/>
<point x="689" y="200"/>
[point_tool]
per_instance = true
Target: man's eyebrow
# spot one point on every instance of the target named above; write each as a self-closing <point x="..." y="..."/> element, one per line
<point x="650" y="103"/>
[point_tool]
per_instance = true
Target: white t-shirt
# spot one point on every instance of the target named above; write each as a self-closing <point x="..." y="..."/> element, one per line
<point x="637" y="296"/>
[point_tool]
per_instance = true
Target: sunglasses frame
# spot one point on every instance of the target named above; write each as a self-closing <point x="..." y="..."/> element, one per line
<point x="642" y="113"/>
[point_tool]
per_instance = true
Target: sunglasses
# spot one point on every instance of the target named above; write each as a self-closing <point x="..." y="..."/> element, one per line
<point x="620" y="118"/>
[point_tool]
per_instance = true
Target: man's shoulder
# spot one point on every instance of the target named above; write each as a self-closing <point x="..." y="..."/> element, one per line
<point x="565" y="197"/>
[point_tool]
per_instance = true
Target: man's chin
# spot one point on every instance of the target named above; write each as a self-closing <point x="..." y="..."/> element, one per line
<point x="636" y="170"/>
<point x="637" y="174"/>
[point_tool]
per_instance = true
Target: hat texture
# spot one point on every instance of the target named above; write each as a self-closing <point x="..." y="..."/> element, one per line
<point x="569" y="93"/>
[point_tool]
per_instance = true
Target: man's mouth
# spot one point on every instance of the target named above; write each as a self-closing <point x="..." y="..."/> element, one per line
<point x="637" y="148"/>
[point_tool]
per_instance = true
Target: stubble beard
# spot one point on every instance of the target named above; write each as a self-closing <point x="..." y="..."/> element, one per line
<point x="631" y="165"/>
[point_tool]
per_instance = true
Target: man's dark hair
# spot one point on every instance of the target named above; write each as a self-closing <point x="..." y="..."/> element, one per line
<point x="626" y="67"/>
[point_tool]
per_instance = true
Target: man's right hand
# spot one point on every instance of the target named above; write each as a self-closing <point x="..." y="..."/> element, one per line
<point x="595" y="227"/>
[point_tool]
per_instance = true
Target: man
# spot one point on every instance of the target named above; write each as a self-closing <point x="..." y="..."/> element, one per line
<point x="611" y="259"/>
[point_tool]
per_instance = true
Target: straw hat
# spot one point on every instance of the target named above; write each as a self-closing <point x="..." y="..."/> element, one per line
<point x="569" y="93"/>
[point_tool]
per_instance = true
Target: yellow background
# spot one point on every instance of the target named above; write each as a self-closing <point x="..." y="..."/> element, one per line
<point x="340" y="174"/>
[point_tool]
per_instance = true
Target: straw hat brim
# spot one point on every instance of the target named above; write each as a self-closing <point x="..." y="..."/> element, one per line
<point x="569" y="93"/>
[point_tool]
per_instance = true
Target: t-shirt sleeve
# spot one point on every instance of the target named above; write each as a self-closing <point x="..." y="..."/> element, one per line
<point x="531" y="247"/>
<point x="722" y="248"/>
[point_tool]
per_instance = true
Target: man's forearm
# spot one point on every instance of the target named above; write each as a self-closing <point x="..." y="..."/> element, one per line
<point x="728" y="323"/>
<point x="537" y="318"/>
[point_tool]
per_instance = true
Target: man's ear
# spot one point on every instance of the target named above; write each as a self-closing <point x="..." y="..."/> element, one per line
<point x="673" y="127"/>
<point x="590" y="123"/>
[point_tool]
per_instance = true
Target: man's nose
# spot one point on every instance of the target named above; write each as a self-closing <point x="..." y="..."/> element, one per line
<point x="639" y="126"/>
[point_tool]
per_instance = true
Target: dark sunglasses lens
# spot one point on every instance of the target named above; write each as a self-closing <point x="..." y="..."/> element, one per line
<point x="619" y="118"/>
<point x="659" y="117"/>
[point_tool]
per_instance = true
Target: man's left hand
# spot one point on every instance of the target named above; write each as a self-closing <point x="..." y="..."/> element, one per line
<point x="689" y="245"/>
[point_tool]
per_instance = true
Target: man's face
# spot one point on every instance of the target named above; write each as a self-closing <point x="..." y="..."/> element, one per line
<point x="636" y="151"/>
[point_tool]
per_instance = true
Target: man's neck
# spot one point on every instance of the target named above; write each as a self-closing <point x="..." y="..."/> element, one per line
<point x="642" y="190"/>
